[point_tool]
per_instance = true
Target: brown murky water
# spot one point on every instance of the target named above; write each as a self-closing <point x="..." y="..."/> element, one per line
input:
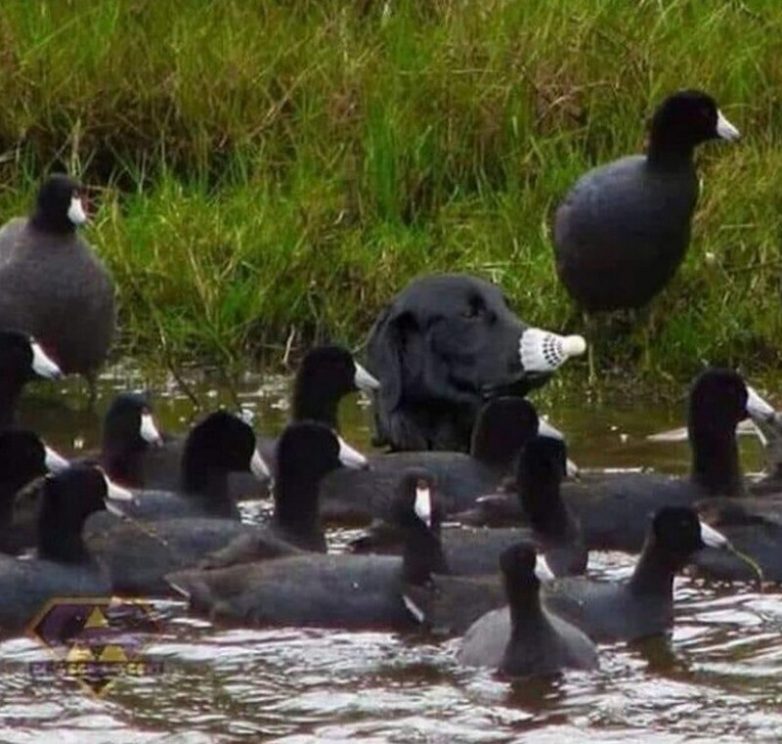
<point x="718" y="678"/>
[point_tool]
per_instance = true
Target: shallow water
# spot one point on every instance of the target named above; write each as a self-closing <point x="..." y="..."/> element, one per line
<point x="718" y="678"/>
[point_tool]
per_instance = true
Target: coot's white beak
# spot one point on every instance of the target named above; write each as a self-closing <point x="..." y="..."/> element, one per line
<point x="712" y="538"/>
<point x="55" y="462"/>
<point x="76" y="213"/>
<point x="258" y="467"/>
<point x="43" y="364"/>
<point x="757" y="408"/>
<point x="725" y="129"/>
<point x="364" y="381"/>
<point x="672" y="435"/>
<point x="545" y="429"/>
<point x="542" y="569"/>
<point x="148" y="431"/>
<point x="116" y="495"/>
<point x="423" y="505"/>
<point x="414" y="609"/>
<point x="351" y="458"/>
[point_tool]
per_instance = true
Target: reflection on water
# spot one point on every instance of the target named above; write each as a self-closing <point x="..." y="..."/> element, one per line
<point x="718" y="678"/>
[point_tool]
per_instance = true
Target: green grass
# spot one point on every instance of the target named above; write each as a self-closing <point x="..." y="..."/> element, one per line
<point x="272" y="172"/>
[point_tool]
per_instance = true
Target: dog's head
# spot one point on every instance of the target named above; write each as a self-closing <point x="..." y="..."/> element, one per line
<point x="445" y="344"/>
<point x="448" y="337"/>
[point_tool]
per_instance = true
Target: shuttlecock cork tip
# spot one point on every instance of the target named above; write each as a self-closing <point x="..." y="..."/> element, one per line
<point x="574" y="345"/>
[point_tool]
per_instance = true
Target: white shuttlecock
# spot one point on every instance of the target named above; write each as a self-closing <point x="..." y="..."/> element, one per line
<point x="543" y="351"/>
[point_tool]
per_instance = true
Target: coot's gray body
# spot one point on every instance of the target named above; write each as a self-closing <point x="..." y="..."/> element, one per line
<point x="53" y="286"/>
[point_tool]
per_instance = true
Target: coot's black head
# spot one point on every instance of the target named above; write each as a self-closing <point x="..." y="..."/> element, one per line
<point x="538" y="476"/>
<point x="58" y="206"/>
<point x="335" y="368"/>
<point x="684" y="120"/>
<point x="221" y="443"/>
<point x="325" y="376"/>
<point x="718" y="402"/>
<point x="129" y="423"/>
<point x="416" y="504"/>
<point x="307" y="450"/>
<point x="523" y="569"/>
<point x="23" y="359"/>
<point x="679" y="532"/>
<point x="22" y="457"/>
<point x="68" y="499"/>
<point x="501" y="429"/>
<point x="417" y="511"/>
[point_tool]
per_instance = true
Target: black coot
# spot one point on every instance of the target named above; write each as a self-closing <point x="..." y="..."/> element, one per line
<point x="642" y="605"/>
<point x="551" y="527"/>
<point x="503" y="425"/>
<point x="527" y="638"/>
<point x="21" y="360"/>
<point x="623" y="229"/>
<point x="345" y="591"/>
<point x="139" y="554"/>
<point x="63" y="566"/>
<point x="52" y="285"/>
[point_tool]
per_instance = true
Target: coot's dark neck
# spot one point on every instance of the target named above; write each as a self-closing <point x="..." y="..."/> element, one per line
<point x="422" y="555"/>
<point x="669" y="152"/>
<point x="494" y="449"/>
<point x="7" y="493"/>
<point x="654" y="572"/>
<point x="526" y="614"/>
<point x="60" y="539"/>
<point x="208" y="484"/>
<point x="10" y="390"/>
<point x="315" y="402"/>
<point x="9" y="488"/>
<point x="296" y="508"/>
<point x="715" y="461"/>
<point x="48" y="223"/>
<point x="123" y="466"/>
<point x="547" y="515"/>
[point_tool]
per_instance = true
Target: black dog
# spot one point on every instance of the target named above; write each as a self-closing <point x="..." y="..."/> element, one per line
<point x="445" y="344"/>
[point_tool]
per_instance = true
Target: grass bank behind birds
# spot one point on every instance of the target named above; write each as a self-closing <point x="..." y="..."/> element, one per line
<point x="270" y="173"/>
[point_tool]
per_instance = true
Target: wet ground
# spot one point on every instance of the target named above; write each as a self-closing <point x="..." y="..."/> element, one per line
<point x="717" y="678"/>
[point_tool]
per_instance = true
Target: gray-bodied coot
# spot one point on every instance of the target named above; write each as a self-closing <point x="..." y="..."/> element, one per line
<point x="503" y="425"/>
<point x="614" y="510"/>
<point x="63" y="566"/>
<point x="527" y="638"/>
<point x="625" y="610"/>
<point x="21" y="360"/>
<point x="22" y="459"/>
<point x="345" y="591"/>
<point x="52" y="285"/>
<point x="129" y="432"/>
<point x="217" y="446"/>
<point x="139" y="554"/>
<point x="551" y="527"/>
<point x="643" y="604"/>
<point x="623" y="229"/>
<point x="324" y="377"/>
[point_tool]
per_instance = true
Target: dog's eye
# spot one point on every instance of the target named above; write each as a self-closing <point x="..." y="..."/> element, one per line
<point x="475" y="309"/>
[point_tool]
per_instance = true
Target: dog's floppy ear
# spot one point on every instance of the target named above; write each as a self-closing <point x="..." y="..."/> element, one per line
<point x="388" y="342"/>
